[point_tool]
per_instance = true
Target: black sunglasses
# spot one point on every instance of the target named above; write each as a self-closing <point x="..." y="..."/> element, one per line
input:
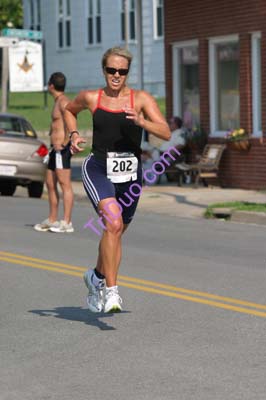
<point x="113" y="71"/>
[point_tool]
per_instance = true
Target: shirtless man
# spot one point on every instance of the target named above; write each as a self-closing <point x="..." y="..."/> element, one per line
<point x="59" y="169"/>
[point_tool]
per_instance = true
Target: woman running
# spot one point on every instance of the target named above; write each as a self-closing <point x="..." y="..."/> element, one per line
<point x="119" y="116"/>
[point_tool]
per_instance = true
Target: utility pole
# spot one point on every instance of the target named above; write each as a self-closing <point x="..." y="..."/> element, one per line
<point x="5" y="43"/>
<point x="139" y="43"/>
<point x="126" y="22"/>
<point x="4" y="78"/>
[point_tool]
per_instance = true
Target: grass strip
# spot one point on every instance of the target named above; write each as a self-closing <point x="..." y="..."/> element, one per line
<point x="236" y="205"/>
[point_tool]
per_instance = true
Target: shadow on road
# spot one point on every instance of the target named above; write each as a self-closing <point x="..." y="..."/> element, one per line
<point x="183" y="199"/>
<point x="78" y="314"/>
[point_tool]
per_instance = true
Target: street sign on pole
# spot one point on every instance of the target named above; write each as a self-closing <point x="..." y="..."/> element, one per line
<point x="22" y="33"/>
<point x="26" y="67"/>
<point x="8" y="41"/>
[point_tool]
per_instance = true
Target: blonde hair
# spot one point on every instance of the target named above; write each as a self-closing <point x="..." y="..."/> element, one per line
<point x="117" y="51"/>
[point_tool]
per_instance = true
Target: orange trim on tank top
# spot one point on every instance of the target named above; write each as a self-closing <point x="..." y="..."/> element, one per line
<point x="109" y="109"/>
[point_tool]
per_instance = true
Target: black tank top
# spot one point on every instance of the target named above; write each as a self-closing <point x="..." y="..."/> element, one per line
<point x="112" y="131"/>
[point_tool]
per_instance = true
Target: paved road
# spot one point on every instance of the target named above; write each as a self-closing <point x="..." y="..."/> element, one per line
<point x="193" y="326"/>
<point x="76" y="171"/>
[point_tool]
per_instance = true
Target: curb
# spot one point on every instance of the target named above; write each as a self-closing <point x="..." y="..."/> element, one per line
<point x="193" y="208"/>
<point x="249" y="217"/>
<point x="222" y="212"/>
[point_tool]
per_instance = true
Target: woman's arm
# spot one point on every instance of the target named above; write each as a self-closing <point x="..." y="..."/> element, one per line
<point x="149" y="117"/>
<point x="72" y="109"/>
<point x="70" y="116"/>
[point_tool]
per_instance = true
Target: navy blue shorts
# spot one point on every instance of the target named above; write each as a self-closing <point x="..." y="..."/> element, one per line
<point x="99" y="187"/>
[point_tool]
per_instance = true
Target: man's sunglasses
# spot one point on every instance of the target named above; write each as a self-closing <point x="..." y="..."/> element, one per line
<point x="113" y="71"/>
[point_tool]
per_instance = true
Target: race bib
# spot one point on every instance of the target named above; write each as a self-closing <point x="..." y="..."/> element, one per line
<point x="121" y="167"/>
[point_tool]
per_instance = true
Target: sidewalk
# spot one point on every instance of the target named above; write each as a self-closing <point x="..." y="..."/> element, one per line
<point x="184" y="201"/>
<point x="187" y="201"/>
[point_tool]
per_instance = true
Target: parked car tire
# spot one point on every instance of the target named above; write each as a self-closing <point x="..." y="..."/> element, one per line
<point x="7" y="189"/>
<point x="35" y="189"/>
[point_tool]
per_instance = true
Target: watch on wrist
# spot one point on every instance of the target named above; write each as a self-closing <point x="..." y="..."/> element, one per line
<point x="71" y="134"/>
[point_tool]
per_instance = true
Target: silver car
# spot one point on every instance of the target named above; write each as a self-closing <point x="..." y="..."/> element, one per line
<point x="21" y="156"/>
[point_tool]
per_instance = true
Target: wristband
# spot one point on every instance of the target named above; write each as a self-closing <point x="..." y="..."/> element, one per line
<point x="71" y="133"/>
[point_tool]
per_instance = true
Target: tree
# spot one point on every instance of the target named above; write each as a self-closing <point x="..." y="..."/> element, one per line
<point x="11" y="11"/>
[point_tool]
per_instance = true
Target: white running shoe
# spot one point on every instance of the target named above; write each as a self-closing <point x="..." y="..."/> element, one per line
<point x="113" y="302"/>
<point x="46" y="225"/>
<point x="95" y="295"/>
<point x="62" y="227"/>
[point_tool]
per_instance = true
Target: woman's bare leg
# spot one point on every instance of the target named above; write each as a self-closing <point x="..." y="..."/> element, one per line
<point x="110" y="245"/>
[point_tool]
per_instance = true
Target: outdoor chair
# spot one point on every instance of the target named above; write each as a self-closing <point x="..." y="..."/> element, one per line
<point x="207" y="166"/>
<point x="171" y="172"/>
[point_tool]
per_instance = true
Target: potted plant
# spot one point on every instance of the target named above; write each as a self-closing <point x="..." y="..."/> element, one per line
<point x="238" y="139"/>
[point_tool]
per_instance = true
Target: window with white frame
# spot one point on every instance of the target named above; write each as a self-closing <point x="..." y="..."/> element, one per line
<point x="158" y="18"/>
<point x="38" y="15"/>
<point x="31" y="19"/>
<point x="128" y="20"/>
<point x="186" y="83"/>
<point x="64" y="24"/>
<point x="94" y="29"/>
<point x="224" y="84"/>
<point x="256" y="83"/>
<point x="35" y="15"/>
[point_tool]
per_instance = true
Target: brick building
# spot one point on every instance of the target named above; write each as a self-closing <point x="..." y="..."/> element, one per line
<point x="215" y="60"/>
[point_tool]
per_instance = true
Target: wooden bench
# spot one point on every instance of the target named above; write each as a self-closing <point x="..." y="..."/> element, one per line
<point x="171" y="171"/>
<point x="208" y="164"/>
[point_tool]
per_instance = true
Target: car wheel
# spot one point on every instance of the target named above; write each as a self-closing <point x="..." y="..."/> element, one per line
<point x="35" y="189"/>
<point x="8" y="189"/>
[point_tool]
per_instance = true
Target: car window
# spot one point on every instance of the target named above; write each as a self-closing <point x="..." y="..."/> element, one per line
<point x="11" y="126"/>
<point x="28" y="129"/>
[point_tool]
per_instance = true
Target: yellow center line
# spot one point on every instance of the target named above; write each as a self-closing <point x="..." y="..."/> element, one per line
<point x="39" y="260"/>
<point x="139" y="284"/>
<point x="143" y="282"/>
<point x="193" y="292"/>
<point x="40" y="266"/>
<point x="196" y="300"/>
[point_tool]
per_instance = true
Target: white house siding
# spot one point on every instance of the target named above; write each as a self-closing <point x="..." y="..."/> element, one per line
<point x="153" y="53"/>
<point x="81" y="63"/>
